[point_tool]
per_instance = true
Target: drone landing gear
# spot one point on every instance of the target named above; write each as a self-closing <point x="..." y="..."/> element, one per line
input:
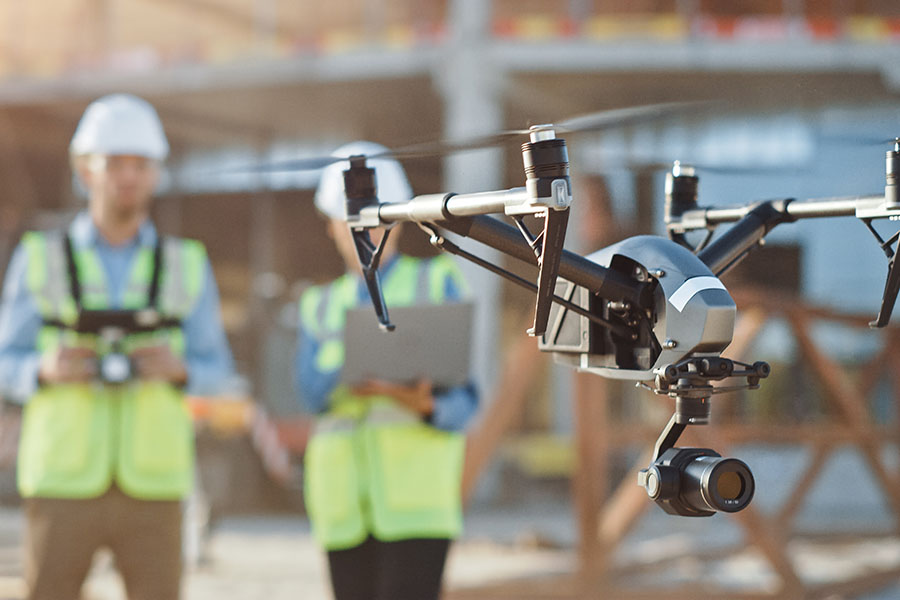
<point x="547" y="248"/>
<point x="359" y="186"/>
<point x="369" y="256"/>
<point x="697" y="482"/>
<point x="892" y="283"/>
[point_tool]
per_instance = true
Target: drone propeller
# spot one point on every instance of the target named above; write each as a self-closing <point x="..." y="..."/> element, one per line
<point x="598" y="121"/>
<point x="609" y="119"/>
<point x="313" y="163"/>
<point x="861" y="140"/>
<point x="653" y="165"/>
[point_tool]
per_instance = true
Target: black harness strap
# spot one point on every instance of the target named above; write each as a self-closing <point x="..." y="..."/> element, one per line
<point x="72" y="269"/>
<point x="75" y="283"/>
<point x="153" y="293"/>
<point x="88" y="320"/>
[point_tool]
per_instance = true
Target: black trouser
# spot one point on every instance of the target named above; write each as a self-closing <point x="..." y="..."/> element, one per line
<point x="376" y="570"/>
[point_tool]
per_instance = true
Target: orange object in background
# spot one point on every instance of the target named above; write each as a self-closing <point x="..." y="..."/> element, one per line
<point x="228" y="416"/>
<point x="276" y="440"/>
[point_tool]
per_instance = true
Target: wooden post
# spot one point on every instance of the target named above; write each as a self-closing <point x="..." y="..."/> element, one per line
<point x="591" y="474"/>
<point x="503" y="411"/>
<point x="600" y="532"/>
<point x="844" y="398"/>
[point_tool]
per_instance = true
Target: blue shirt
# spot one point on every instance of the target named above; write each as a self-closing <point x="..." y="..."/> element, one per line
<point x="207" y="354"/>
<point x="453" y="407"/>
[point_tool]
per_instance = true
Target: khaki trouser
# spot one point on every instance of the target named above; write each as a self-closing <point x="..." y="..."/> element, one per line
<point x="62" y="536"/>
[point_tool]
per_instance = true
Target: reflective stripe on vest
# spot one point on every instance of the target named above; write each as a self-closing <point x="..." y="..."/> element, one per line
<point x="51" y="281"/>
<point x="373" y="467"/>
<point x="77" y="438"/>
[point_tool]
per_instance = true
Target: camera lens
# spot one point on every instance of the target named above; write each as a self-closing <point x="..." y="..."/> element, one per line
<point x="698" y="482"/>
<point x="730" y="485"/>
<point x="715" y="483"/>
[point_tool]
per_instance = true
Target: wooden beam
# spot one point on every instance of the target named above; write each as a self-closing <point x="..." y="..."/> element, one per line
<point x="843" y="397"/>
<point x="504" y="410"/>
<point x="231" y="15"/>
<point x="769" y="535"/>
<point x="785" y="516"/>
<point x="868" y="582"/>
<point x="758" y="530"/>
<point x="625" y="507"/>
<point x="591" y="400"/>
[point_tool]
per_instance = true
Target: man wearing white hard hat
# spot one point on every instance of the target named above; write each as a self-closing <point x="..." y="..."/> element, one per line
<point x="383" y="467"/>
<point x="103" y="326"/>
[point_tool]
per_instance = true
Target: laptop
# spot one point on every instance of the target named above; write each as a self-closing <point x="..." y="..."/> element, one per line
<point x="431" y="341"/>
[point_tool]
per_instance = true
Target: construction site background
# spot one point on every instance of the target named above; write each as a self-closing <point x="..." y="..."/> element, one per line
<point x="806" y="85"/>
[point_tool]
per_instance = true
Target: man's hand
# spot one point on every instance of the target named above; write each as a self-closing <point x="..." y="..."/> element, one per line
<point x="158" y="363"/>
<point x="68" y="365"/>
<point x="418" y="397"/>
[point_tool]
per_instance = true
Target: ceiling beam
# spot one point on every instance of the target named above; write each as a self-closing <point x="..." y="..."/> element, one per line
<point x="233" y="16"/>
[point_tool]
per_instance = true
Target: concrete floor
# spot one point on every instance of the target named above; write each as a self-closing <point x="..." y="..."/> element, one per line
<point x="273" y="556"/>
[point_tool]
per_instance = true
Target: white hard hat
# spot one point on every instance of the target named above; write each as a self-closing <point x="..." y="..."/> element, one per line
<point x="120" y="124"/>
<point x="390" y="179"/>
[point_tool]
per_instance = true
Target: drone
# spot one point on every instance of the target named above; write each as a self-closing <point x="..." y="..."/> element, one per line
<point x="649" y="309"/>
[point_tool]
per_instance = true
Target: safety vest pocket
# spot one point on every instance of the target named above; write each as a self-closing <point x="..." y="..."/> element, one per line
<point x="64" y="448"/>
<point x="161" y="430"/>
<point x="419" y="466"/>
<point x="332" y="489"/>
<point x="61" y="445"/>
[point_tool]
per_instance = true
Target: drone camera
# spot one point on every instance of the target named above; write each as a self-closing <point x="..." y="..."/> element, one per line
<point x="698" y="482"/>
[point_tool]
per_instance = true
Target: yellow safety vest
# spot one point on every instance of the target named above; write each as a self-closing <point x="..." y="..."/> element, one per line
<point x="373" y="467"/>
<point x="79" y="438"/>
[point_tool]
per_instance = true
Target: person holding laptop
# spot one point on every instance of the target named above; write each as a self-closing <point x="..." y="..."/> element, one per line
<point x="384" y="464"/>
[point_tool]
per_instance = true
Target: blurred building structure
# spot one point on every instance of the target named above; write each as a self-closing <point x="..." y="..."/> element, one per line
<point x="803" y="86"/>
<point x="240" y="81"/>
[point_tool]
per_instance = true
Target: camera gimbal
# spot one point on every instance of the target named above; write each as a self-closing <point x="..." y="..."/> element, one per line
<point x="697" y="482"/>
